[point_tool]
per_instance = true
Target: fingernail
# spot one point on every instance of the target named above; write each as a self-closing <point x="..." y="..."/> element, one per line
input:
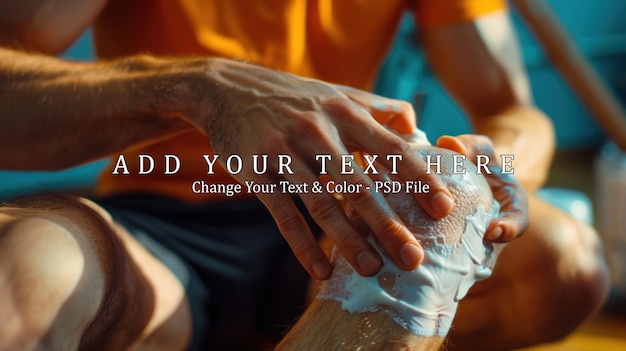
<point x="320" y="270"/>
<point x="442" y="204"/>
<point x="410" y="255"/>
<point x="495" y="233"/>
<point x="368" y="262"/>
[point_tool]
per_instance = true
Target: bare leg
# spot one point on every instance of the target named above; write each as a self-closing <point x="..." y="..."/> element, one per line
<point x="545" y="284"/>
<point x="71" y="279"/>
<point x="398" y="310"/>
<point x="326" y="326"/>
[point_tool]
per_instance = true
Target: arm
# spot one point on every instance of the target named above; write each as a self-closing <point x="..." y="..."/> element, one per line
<point x="490" y="84"/>
<point x="56" y="114"/>
<point x="480" y="66"/>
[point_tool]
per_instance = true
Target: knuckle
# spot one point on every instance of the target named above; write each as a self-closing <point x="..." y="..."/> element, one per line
<point x="323" y="207"/>
<point x="349" y="111"/>
<point x="396" y="146"/>
<point x="336" y="103"/>
<point x="309" y="124"/>
<point x="348" y="242"/>
<point x="359" y="199"/>
<point x="302" y="247"/>
<point x="273" y="140"/>
<point x="288" y="222"/>
<point x="322" y="88"/>
<point x="406" y="107"/>
<point x="429" y="175"/>
<point x="421" y="170"/>
<point x="388" y="231"/>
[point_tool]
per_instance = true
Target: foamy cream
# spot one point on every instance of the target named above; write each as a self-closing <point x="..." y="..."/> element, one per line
<point x="424" y="301"/>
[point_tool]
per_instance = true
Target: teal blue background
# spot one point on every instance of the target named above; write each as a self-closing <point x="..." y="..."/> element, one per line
<point x="597" y="26"/>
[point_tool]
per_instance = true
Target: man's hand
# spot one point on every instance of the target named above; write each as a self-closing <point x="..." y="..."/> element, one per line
<point x="247" y="109"/>
<point x="513" y="220"/>
<point x="396" y="115"/>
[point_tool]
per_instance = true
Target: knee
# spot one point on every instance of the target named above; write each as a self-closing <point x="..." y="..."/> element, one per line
<point x="575" y="288"/>
<point x="582" y="267"/>
<point x="48" y="287"/>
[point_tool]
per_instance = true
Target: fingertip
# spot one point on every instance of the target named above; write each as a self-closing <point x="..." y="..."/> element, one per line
<point x="411" y="255"/>
<point x="494" y="234"/>
<point x="402" y="125"/>
<point x="442" y="204"/>
<point x="321" y="270"/>
<point x="503" y="230"/>
<point x="444" y="139"/>
<point x="451" y="143"/>
<point x="406" y="122"/>
<point x="368" y="263"/>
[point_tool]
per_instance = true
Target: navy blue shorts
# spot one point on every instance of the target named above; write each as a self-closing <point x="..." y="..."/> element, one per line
<point x="240" y="275"/>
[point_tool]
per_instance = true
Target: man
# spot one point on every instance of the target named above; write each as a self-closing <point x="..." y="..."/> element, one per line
<point x="57" y="114"/>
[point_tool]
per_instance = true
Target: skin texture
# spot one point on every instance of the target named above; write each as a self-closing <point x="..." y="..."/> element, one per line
<point x="326" y="325"/>
<point x="84" y="283"/>
<point x="150" y="104"/>
<point x="56" y="114"/>
<point x="502" y="108"/>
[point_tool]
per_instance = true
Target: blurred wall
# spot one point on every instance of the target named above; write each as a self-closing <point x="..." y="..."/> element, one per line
<point x="597" y="26"/>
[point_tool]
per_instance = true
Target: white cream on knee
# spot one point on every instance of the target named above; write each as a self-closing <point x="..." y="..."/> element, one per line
<point x="424" y="301"/>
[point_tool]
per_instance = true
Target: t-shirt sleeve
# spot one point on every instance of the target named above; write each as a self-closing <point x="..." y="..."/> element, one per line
<point x="431" y="13"/>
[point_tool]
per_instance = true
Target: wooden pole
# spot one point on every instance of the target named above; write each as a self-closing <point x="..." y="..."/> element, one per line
<point x="574" y="68"/>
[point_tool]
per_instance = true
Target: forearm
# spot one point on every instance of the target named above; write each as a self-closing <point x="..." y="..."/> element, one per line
<point x="526" y="133"/>
<point x="491" y="86"/>
<point x="57" y="114"/>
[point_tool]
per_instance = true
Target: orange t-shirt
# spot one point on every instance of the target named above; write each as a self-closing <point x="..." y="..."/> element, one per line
<point x="341" y="41"/>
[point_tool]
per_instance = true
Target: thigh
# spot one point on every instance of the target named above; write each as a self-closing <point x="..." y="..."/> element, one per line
<point x="250" y="281"/>
<point x="73" y="279"/>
